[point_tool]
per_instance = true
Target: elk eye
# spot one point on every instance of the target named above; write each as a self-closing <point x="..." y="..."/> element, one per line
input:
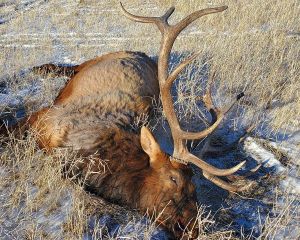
<point x="173" y="180"/>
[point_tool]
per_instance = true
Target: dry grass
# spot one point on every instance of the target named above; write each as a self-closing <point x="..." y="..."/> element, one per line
<point x="39" y="203"/>
<point x="253" y="47"/>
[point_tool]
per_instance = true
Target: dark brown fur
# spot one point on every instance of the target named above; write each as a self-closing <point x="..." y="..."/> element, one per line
<point x="94" y="115"/>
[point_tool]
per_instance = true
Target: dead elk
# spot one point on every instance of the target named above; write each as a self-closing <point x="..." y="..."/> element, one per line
<point x="94" y="112"/>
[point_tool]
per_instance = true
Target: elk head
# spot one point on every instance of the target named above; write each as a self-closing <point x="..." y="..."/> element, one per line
<point x="167" y="186"/>
<point x="176" y="193"/>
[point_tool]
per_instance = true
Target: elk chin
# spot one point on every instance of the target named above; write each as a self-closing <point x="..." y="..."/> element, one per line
<point x="185" y="231"/>
<point x="185" y="226"/>
<point x="177" y="224"/>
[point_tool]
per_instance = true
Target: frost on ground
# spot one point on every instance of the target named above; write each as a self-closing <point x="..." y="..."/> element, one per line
<point x="278" y="177"/>
<point x="17" y="223"/>
<point x="248" y="55"/>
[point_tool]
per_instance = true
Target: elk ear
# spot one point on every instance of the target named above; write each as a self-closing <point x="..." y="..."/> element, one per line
<point x="150" y="146"/>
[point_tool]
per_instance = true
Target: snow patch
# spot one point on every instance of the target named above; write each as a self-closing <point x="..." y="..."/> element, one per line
<point x="263" y="156"/>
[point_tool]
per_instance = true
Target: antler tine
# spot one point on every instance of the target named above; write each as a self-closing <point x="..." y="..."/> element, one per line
<point x="209" y="168"/>
<point x="217" y="116"/>
<point x="173" y="75"/>
<point x="208" y="101"/>
<point x="160" y="22"/>
<point x="225" y="185"/>
<point x="194" y="16"/>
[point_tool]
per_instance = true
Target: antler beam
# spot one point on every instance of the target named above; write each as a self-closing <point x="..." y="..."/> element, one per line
<point x="169" y="35"/>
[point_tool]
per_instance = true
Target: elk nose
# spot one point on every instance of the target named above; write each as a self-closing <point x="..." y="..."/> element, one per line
<point x="188" y="230"/>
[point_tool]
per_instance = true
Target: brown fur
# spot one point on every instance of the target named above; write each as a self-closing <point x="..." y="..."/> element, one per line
<point x="107" y="91"/>
<point x="93" y="115"/>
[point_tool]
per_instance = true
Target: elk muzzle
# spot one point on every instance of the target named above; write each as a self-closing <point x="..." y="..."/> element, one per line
<point x="183" y="224"/>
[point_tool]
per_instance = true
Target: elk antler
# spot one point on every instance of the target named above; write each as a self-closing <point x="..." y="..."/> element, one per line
<point x="169" y="34"/>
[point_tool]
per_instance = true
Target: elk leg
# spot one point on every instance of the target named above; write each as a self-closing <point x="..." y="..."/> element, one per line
<point x="55" y="70"/>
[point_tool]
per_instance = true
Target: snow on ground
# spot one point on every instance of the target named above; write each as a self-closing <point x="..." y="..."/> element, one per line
<point x="16" y="220"/>
<point x="291" y="180"/>
<point x="247" y="213"/>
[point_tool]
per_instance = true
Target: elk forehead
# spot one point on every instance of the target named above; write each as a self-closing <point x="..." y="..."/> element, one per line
<point x="169" y="172"/>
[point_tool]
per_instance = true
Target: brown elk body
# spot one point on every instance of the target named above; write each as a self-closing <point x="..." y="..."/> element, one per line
<point x="105" y="93"/>
<point x="94" y="115"/>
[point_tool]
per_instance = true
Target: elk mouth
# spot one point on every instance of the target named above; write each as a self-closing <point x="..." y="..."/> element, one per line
<point x="182" y="230"/>
<point x="179" y="226"/>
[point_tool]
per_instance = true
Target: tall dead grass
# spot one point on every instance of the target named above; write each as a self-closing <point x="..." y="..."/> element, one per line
<point x="39" y="203"/>
<point x="253" y="47"/>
